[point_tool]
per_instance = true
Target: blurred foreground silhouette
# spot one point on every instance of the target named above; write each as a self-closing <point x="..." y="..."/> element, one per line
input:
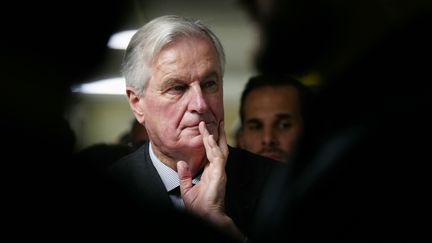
<point x="360" y="172"/>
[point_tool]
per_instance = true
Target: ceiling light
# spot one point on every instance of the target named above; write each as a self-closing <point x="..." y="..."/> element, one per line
<point x="115" y="86"/>
<point x="121" y="39"/>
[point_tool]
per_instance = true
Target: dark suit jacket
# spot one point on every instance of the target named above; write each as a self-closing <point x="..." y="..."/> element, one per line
<point x="246" y="173"/>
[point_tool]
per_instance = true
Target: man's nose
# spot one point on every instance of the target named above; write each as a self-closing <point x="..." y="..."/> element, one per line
<point x="269" y="137"/>
<point x="198" y="101"/>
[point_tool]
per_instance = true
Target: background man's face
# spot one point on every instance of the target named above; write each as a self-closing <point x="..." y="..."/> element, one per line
<point x="272" y="121"/>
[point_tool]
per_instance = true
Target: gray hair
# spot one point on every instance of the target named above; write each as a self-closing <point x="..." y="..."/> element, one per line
<point x="149" y="40"/>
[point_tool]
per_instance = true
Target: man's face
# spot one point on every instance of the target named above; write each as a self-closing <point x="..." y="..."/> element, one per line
<point x="272" y="121"/>
<point x="185" y="88"/>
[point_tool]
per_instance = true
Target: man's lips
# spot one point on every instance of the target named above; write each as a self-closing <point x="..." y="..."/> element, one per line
<point x="196" y="125"/>
<point x="273" y="155"/>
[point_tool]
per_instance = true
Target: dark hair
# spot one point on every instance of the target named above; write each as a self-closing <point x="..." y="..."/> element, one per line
<point x="264" y="80"/>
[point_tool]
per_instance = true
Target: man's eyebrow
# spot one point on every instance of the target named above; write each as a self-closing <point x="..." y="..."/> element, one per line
<point x="170" y="82"/>
<point x="253" y="120"/>
<point x="212" y="74"/>
<point x="284" y="115"/>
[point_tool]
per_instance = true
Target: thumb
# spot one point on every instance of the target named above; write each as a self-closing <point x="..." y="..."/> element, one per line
<point x="185" y="177"/>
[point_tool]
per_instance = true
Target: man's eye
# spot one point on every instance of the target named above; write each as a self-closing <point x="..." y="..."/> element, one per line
<point x="284" y="124"/>
<point x="210" y="86"/>
<point x="176" y="89"/>
<point x="254" y="126"/>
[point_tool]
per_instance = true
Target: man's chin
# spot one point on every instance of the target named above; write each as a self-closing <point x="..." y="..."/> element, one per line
<point x="195" y="142"/>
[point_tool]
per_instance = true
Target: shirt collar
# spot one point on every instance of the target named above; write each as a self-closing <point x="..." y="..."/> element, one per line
<point x="169" y="176"/>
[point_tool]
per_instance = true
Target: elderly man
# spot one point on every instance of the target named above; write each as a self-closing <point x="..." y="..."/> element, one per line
<point x="174" y="74"/>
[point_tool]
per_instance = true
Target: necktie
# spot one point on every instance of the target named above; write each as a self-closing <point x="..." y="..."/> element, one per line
<point x="176" y="198"/>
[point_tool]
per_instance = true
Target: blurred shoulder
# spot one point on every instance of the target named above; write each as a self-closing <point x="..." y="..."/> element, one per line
<point x="240" y="159"/>
<point x="132" y="159"/>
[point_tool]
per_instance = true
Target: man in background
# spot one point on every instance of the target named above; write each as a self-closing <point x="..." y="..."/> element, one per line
<point x="135" y="136"/>
<point x="272" y="115"/>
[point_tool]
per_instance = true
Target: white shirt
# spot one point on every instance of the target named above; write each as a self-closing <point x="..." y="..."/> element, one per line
<point x="170" y="179"/>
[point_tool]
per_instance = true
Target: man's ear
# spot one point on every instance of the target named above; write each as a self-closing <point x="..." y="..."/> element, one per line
<point x="135" y="103"/>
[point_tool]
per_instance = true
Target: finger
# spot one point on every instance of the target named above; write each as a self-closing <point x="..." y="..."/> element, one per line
<point x="211" y="147"/>
<point x="204" y="132"/>
<point x="222" y="139"/>
<point x="185" y="177"/>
